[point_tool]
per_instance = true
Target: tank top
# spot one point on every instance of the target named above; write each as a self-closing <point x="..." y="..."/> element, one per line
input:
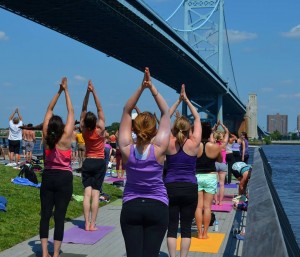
<point x="229" y="148"/>
<point x="79" y="138"/>
<point x="223" y="153"/>
<point x="246" y="147"/>
<point x="144" y="178"/>
<point x="235" y="147"/>
<point x="56" y="159"/>
<point x="181" y="167"/>
<point x="205" y="164"/>
<point x="94" y="144"/>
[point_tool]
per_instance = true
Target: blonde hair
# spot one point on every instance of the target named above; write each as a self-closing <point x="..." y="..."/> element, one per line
<point x="144" y="126"/>
<point x="181" y="129"/>
<point x="218" y="135"/>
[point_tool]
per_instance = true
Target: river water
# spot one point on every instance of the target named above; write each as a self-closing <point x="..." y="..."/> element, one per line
<point x="285" y="163"/>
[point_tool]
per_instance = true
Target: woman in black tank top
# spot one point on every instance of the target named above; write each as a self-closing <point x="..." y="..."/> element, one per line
<point x="207" y="180"/>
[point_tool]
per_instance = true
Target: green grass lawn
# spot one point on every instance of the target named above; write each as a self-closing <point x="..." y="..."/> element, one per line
<point x="21" y="221"/>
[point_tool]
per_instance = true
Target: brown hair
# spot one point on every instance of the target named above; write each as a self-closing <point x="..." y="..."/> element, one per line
<point x="181" y="129"/>
<point x="144" y="127"/>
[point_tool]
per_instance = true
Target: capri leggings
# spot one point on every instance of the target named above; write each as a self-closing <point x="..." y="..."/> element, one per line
<point x="56" y="191"/>
<point x="183" y="200"/>
<point x="144" y="223"/>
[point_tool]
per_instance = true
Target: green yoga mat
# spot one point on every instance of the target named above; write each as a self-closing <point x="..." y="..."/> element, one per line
<point x="118" y="202"/>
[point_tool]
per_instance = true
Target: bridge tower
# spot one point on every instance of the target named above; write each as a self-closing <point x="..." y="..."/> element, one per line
<point x="203" y="29"/>
<point x="251" y="115"/>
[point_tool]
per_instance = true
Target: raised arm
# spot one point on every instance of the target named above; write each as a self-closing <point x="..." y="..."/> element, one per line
<point x="162" y="137"/>
<point x="19" y="115"/>
<point x="125" y="137"/>
<point x="84" y="108"/>
<point x="69" y="127"/>
<point x="226" y="136"/>
<point x="13" y="114"/>
<point x="175" y="105"/>
<point x="100" y="113"/>
<point x="197" y="133"/>
<point x="49" y="111"/>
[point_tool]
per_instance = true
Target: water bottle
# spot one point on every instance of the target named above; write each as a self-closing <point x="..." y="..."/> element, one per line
<point x="216" y="226"/>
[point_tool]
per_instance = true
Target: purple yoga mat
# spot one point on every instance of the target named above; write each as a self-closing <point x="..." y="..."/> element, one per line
<point x="113" y="179"/>
<point x="77" y="235"/>
<point x="225" y="207"/>
<point x="229" y="185"/>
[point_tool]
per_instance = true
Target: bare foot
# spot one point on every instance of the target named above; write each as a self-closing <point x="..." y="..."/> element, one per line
<point x="205" y="236"/>
<point x="93" y="227"/>
<point x="87" y="226"/>
<point x="220" y="203"/>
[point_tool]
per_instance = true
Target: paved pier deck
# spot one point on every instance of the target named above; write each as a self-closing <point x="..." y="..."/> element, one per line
<point x="112" y="245"/>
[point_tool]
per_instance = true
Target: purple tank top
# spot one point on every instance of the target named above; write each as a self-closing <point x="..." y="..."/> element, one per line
<point x="181" y="167"/>
<point x="144" y="178"/>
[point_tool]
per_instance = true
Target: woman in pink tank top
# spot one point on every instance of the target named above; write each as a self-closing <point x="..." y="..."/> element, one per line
<point x="221" y="139"/>
<point x="57" y="179"/>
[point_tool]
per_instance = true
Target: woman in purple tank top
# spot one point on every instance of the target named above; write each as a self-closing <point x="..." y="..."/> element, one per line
<point x="180" y="176"/>
<point x="145" y="215"/>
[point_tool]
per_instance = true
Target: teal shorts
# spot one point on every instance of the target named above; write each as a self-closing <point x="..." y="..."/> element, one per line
<point x="207" y="182"/>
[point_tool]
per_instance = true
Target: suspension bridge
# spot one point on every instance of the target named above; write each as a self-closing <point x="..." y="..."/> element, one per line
<point x="189" y="47"/>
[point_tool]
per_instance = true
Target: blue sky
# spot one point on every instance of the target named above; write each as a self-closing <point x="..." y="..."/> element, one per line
<point x="264" y="43"/>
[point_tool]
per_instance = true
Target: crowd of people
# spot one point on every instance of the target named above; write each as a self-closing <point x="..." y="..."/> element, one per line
<point x="172" y="170"/>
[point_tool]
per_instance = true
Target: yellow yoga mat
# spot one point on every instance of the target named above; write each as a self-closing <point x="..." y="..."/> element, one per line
<point x="210" y="245"/>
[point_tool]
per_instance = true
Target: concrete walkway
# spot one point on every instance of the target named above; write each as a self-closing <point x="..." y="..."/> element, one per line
<point x="112" y="245"/>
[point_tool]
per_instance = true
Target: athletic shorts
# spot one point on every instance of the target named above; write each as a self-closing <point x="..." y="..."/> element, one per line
<point x="93" y="172"/>
<point x="81" y="147"/>
<point x="220" y="166"/>
<point x="74" y="146"/>
<point x="207" y="182"/>
<point x="244" y="169"/>
<point x="14" y="146"/>
<point x="29" y="145"/>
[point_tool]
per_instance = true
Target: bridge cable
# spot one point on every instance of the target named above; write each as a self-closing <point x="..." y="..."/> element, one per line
<point x="175" y="10"/>
<point x="230" y="58"/>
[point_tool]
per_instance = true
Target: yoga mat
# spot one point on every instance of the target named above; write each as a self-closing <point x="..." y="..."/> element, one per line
<point x="228" y="197"/>
<point x="225" y="207"/>
<point x="39" y="254"/>
<point x="118" y="202"/>
<point x="113" y="179"/>
<point x="77" y="235"/>
<point x="229" y="185"/>
<point x="210" y="245"/>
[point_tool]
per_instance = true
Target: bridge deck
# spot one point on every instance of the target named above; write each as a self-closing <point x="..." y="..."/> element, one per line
<point x="113" y="244"/>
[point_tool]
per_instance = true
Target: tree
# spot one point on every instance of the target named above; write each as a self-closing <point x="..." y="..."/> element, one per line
<point x="276" y="135"/>
<point x="113" y="127"/>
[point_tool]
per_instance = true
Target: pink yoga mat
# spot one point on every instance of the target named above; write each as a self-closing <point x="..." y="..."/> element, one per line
<point x="77" y="235"/>
<point x="113" y="179"/>
<point x="225" y="207"/>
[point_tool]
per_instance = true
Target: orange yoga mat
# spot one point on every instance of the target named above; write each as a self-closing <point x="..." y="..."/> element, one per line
<point x="210" y="245"/>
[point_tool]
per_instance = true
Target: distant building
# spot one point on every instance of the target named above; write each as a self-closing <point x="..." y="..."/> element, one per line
<point x="298" y="123"/>
<point x="277" y="122"/>
<point x="251" y="116"/>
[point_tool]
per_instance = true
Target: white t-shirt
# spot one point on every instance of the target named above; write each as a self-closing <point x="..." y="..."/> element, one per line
<point x="15" y="133"/>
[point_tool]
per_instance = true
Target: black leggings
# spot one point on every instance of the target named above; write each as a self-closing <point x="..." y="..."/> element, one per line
<point x="144" y="224"/>
<point x="56" y="191"/>
<point x="183" y="200"/>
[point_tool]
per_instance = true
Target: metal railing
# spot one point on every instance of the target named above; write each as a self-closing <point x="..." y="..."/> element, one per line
<point x="268" y="232"/>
